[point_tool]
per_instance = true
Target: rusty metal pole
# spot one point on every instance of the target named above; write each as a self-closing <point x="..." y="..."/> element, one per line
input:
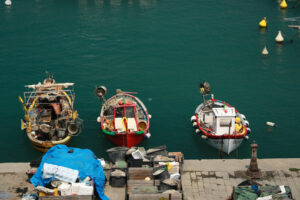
<point x="253" y="171"/>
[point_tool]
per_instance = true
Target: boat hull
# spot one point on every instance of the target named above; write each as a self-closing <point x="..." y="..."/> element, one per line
<point x="44" y="146"/>
<point x="225" y="145"/>
<point x="124" y="140"/>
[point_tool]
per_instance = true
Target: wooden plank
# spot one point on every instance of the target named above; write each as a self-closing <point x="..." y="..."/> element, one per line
<point x="176" y="196"/>
<point x="71" y="197"/>
<point x="139" y="173"/>
<point x="140" y="187"/>
<point x="133" y="182"/>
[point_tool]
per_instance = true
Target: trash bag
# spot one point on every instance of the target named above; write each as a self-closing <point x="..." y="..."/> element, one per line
<point x="83" y="160"/>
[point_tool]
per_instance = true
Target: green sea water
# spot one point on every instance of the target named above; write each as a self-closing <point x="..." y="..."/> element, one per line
<point x="161" y="49"/>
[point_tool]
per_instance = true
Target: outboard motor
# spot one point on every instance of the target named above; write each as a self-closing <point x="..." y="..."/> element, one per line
<point x="205" y="88"/>
<point x="101" y="92"/>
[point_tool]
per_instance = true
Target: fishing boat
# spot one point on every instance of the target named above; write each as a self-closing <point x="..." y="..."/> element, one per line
<point x="219" y="123"/>
<point x="50" y="118"/>
<point x="124" y="118"/>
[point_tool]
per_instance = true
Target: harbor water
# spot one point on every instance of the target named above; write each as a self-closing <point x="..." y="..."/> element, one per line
<point x="161" y="49"/>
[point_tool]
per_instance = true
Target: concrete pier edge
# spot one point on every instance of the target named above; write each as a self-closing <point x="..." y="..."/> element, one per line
<point x="201" y="179"/>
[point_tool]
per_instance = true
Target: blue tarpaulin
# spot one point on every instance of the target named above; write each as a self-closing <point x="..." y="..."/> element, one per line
<point x="82" y="160"/>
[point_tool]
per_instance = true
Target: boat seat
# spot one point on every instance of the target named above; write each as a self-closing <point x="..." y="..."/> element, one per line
<point x="119" y="125"/>
<point x="131" y="124"/>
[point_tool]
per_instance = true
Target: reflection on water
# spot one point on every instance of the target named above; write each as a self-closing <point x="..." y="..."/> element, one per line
<point x="283" y="13"/>
<point x="262" y="30"/>
<point x="115" y="3"/>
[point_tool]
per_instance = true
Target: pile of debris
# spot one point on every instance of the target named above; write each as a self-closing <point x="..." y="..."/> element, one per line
<point x="255" y="191"/>
<point x="68" y="173"/>
<point x="151" y="174"/>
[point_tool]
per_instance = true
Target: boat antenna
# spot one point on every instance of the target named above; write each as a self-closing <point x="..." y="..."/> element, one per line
<point x="205" y="90"/>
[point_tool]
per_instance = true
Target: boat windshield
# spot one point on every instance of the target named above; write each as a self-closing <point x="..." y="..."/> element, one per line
<point x="130" y="112"/>
<point x="119" y="112"/>
<point x="125" y="111"/>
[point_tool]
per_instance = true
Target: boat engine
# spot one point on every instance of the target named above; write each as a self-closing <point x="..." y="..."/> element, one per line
<point x="205" y="88"/>
<point x="101" y="91"/>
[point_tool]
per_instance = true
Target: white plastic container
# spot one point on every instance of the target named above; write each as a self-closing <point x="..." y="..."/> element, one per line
<point x="60" y="173"/>
<point x="137" y="155"/>
<point x="82" y="189"/>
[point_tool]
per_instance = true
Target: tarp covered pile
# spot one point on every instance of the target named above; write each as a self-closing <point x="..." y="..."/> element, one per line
<point x="82" y="160"/>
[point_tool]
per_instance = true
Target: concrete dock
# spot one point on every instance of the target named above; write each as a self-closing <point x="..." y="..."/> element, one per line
<point x="214" y="179"/>
<point x="201" y="179"/>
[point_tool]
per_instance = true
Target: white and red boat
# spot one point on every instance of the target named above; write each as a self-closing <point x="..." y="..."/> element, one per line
<point x="124" y="118"/>
<point x="220" y="124"/>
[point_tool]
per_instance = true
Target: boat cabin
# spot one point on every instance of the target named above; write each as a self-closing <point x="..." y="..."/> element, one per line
<point x="224" y="122"/>
<point x="125" y="118"/>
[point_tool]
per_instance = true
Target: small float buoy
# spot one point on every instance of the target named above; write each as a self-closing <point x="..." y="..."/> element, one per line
<point x="193" y="118"/>
<point x="148" y="135"/>
<point x="204" y="137"/>
<point x="279" y="38"/>
<point x="147" y="179"/>
<point x="8" y="2"/>
<point x="246" y="123"/>
<point x="150" y="116"/>
<point x="197" y="131"/>
<point x="263" y="23"/>
<point x="271" y="124"/>
<point x="246" y="137"/>
<point x="265" y="51"/>
<point x="99" y="119"/>
<point x="283" y="4"/>
<point x="195" y="125"/>
<point x="243" y="116"/>
<point x="248" y="130"/>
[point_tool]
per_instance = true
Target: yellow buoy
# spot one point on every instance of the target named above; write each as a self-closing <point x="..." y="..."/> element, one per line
<point x="283" y="4"/>
<point x="263" y="23"/>
<point x="265" y="51"/>
<point x="279" y="38"/>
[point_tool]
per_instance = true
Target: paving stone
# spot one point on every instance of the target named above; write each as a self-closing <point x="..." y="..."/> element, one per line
<point x="205" y="181"/>
<point x="204" y="173"/>
<point x="215" y="182"/>
<point x="189" y="197"/>
<point x="200" y="184"/>
<point x="221" y="188"/>
<point x="193" y="175"/>
<point x="198" y="174"/>
<point x="219" y="174"/>
<point x="227" y="182"/>
<point x="194" y="184"/>
<point x="202" y="196"/>
<point x="225" y="175"/>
